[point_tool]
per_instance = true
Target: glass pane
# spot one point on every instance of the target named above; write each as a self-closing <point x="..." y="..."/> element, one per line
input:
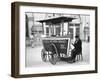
<point x="71" y="32"/>
<point x="77" y="31"/>
<point x="58" y="31"/>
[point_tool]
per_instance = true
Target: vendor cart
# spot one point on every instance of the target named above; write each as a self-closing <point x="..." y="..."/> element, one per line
<point x="55" y="47"/>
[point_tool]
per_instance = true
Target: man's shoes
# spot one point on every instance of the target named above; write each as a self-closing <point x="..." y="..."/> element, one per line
<point x="74" y="61"/>
<point x="71" y="61"/>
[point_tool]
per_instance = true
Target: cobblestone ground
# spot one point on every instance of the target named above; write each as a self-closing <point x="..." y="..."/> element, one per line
<point x="33" y="57"/>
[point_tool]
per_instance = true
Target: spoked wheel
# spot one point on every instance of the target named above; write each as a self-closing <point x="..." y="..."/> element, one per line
<point x="53" y="55"/>
<point x="44" y="55"/>
<point x="53" y="58"/>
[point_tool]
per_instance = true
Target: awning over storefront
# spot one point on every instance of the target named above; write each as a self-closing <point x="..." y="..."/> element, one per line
<point x="57" y="20"/>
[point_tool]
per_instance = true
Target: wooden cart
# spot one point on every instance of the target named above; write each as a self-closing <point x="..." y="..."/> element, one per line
<point x="55" y="46"/>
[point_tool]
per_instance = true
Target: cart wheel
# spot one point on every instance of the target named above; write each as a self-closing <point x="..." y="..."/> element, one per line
<point x="43" y="55"/>
<point x="52" y="58"/>
<point x="53" y="55"/>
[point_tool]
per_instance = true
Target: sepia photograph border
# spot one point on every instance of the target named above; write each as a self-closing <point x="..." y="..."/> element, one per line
<point x="15" y="39"/>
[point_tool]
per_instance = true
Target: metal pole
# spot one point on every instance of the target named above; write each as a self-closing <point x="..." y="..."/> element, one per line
<point x="62" y="28"/>
<point x="42" y="28"/>
<point x="49" y="29"/>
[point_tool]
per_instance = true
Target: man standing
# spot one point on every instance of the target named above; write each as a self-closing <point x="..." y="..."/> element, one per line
<point x="77" y="48"/>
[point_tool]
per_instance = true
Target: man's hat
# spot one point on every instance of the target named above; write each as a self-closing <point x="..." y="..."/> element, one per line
<point x="76" y="36"/>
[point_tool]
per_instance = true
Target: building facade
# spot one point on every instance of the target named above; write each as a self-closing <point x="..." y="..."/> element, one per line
<point x="78" y="26"/>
